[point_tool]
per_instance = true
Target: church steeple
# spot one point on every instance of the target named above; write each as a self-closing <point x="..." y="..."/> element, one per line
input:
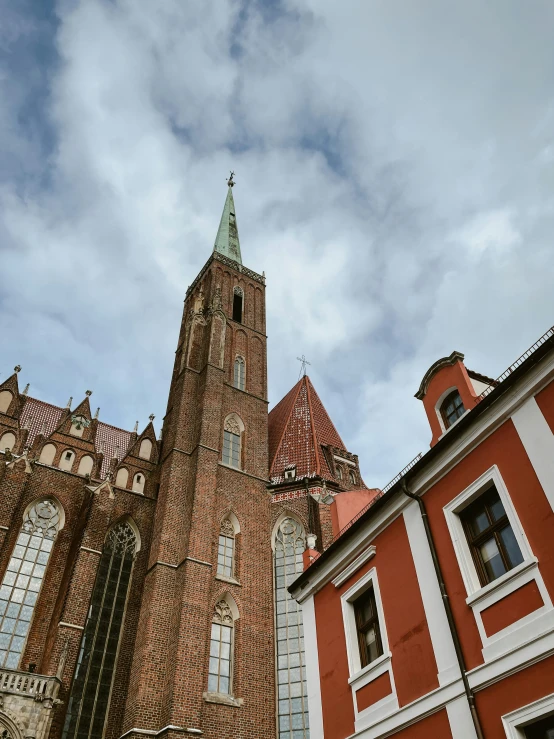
<point x="227" y="239"/>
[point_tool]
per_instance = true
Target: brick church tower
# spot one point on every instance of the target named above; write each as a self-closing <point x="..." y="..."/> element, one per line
<point x="144" y="581"/>
<point x="207" y="593"/>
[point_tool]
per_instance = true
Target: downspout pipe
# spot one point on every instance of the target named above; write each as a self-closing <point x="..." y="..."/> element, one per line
<point x="448" y="609"/>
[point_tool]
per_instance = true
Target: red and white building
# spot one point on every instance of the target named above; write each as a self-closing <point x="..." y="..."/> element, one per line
<point x="431" y="613"/>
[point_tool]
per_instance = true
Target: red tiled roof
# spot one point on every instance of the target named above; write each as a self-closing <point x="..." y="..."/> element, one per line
<point x="38" y="416"/>
<point x="298" y="426"/>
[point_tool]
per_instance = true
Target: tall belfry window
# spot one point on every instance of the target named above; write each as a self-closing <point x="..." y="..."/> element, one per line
<point x="238" y="296"/>
<point x="220" y="672"/>
<point x="239" y="373"/>
<point x="232" y="434"/>
<point x="226" y="549"/>
<point x="290" y="542"/>
<point x="23" y="578"/>
<point x="90" y="694"/>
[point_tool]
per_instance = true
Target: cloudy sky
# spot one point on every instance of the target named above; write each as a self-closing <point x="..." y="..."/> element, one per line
<point x="394" y="166"/>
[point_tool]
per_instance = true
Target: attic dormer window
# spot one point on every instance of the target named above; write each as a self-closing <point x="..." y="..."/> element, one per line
<point x="290" y="474"/>
<point x="452" y="408"/>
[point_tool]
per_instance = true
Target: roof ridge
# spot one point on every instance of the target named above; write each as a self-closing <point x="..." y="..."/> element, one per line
<point x="309" y="385"/>
<point x="326" y="412"/>
<point x="285" y="424"/>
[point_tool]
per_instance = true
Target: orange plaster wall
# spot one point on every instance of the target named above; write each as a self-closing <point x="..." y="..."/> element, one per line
<point x="347" y="505"/>
<point x="511" y="693"/>
<point x="504" y="449"/>
<point x="454" y="376"/>
<point x="545" y="401"/>
<point x="436" y="726"/>
<point x="510" y="609"/>
<point x="413" y="661"/>
<point x="373" y="691"/>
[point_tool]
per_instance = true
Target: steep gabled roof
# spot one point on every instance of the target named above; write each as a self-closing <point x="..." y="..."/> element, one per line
<point x="227" y="239"/>
<point x="41" y="417"/>
<point x="298" y="427"/>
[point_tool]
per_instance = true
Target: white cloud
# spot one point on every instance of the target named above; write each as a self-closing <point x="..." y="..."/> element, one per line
<point x="393" y="182"/>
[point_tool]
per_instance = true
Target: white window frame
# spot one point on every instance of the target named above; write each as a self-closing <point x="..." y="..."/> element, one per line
<point x="480" y="597"/>
<point x="438" y="405"/>
<point x="360" y="676"/>
<point x="515" y="722"/>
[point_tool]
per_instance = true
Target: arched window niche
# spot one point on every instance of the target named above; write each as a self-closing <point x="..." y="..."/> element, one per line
<point x="226" y="547"/>
<point x="239" y="376"/>
<point x="5" y="400"/>
<point x="450" y="408"/>
<point x="47" y="454"/>
<point x="222" y="643"/>
<point x="23" y="579"/>
<point x="7" y="442"/>
<point x="89" y="700"/>
<point x="238" y="299"/>
<point x="289" y="542"/>
<point x="233" y="432"/>
<point x="145" y="450"/>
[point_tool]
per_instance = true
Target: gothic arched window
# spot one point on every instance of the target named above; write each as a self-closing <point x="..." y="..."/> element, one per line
<point x="220" y="673"/>
<point x="290" y="543"/>
<point x="90" y="693"/>
<point x="232" y="435"/>
<point x="226" y="549"/>
<point x="352" y="476"/>
<point x="239" y="375"/>
<point x="23" y="578"/>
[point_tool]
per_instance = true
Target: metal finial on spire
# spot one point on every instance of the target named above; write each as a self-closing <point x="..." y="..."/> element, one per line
<point x="151" y="417"/>
<point x="231" y="181"/>
<point x="88" y="393"/>
<point x="97" y="412"/>
<point x="17" y="369"/>
<point x="303" y="362"/>
<point x="68" y="404"/>
<point x="26" y="389"/>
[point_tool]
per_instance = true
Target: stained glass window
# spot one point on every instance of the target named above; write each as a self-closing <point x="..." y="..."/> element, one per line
<point x="239" y="373"/>
<point x="221" y="650"/>
<point x="226" y="549"/>
<point x="23" y="578"/>
<point x="290" y="542"/>
<point x="90" y="693"/>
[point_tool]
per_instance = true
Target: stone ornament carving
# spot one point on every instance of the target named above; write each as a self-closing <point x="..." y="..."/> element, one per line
<point x="217" y="303"/>
<point x="290" y="535"/>
<point x="199" y="301"/>
<point x="232" y="426"/>
<point x="80" y="422"/>
<point x="238" y="291"/>
<point x="223" y="613"/>
<point x="227" y="529"/>
<point x="43" y="519"/>
<point x="122" y="539"/>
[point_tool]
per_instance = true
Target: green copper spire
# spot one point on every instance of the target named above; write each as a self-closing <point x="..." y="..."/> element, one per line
<point x="227" y="239"/>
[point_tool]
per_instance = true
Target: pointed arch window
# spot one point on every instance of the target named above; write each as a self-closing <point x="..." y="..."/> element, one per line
<point x="238" y="297"/>
<point x="232" y="436"/>
<point x="290" y="543"/>
<point x="220" y="673"/>
<point x="23" y="578"/>
<point x="240" y="373"/>
<point x="226" y="549"/>
<point x="90" y="693"/>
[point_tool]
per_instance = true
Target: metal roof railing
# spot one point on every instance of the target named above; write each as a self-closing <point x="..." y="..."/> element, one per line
<point x="379" y="495"/>
<point x="519" y="361"/>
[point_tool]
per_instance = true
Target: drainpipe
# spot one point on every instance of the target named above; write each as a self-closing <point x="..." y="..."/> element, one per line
<point x="449" y="615"/>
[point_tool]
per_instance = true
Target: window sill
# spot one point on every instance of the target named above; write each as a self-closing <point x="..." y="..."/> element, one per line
<point x="371" y="671"/>
<point x="231" y="467"/>
<point x="231" y="580"/>
<point x="223" y="699"/>
<point x="502" y="586"/>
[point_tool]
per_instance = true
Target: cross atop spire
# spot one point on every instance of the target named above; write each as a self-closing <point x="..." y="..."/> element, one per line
<point x="227" y="239"/>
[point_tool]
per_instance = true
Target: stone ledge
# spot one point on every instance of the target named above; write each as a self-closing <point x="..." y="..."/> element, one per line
<point x="223" y="699"/>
